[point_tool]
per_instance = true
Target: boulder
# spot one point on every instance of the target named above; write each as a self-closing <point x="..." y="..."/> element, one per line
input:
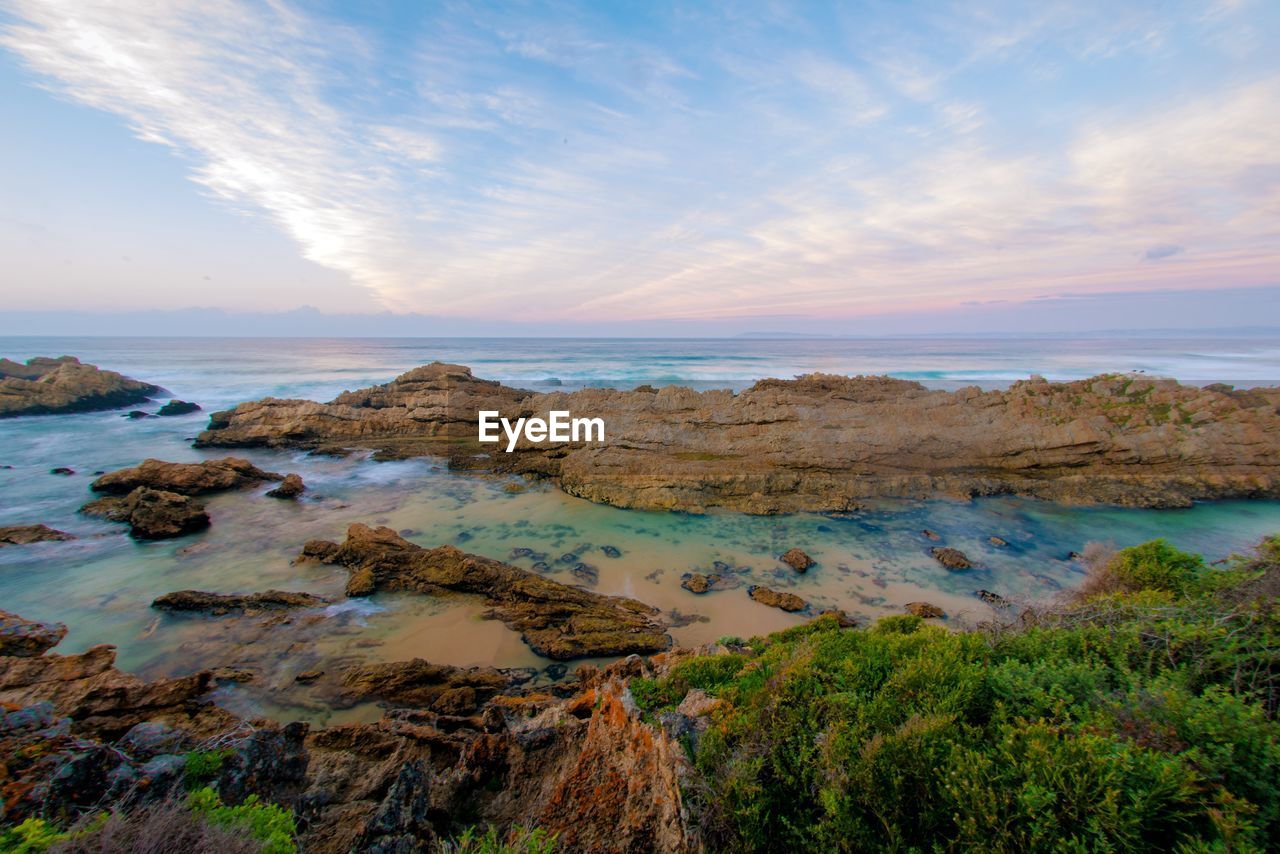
<point x="555" y="620"/>
<point x="22" y="535"/>
<point x="952" y="559"/>
<point x="151" y="514"/>
<point x="776" y="598"/>
<point x="995" y="600"/>
<point x="178" y="407"/>
<point x="185" y="478"/>
<point x="291" y="487"/>
<point x="696" y="582"/>
<point x="797" y="560"/>
<point x="27" y="638"/>
<point x="52" y="386"/>
<point x="998" y="542"/>
<point x="226" y="603"/>
<point x="924" y="609"/>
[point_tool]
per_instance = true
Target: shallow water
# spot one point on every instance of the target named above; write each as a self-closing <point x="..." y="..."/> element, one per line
<point x="869" y="563"/>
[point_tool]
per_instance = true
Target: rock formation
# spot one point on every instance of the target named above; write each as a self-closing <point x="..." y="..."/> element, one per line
<point x="25" y="638"/>
<point x="466" y="747"/>
<point x="953" y="559"/>
<point x="225" y="603"/>
<point x="46" y="386"/>
<point x="178" y="407"/>
<point x="777" y="598"/>
<point x="555" y="620"/>
<point x="819" y="442"/>
<point x="151" y="514"/>
<point x="22" y="535"/>
<point x="291" y="487"/>
<point x="185" y="478"/>
<point x="924" y="609"/>
<point x="797" y="560"/>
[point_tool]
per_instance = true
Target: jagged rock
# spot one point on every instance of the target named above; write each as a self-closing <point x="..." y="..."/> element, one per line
<point x="25" y="638"/>
<point x="185" y="478"/>
<point x="291" y="487"/>
<point x="103" y="701"/>
<point x="797" y="560"/>
<point x="952" y="559"/>
<point x="819" y="442"/>
<point x="50" y="386"/>
<point x="178" y="407"/>
<point x="556" y="620"/>
<point x="777" y="598"/>
<point x="225" y="603"/>
<point x="995" y="600"/>
<point x="422" y="685"/>
<point x="696" y="582"/>
<point x="924" y="609"/>
<point x="22" y="535"/>
<point x="151" y="514"/>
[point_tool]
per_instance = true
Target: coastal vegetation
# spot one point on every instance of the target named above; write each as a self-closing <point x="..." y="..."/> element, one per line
<point x="1138" y="715"/>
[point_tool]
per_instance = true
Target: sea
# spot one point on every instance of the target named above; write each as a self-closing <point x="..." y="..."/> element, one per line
<point x="870" y="563"/>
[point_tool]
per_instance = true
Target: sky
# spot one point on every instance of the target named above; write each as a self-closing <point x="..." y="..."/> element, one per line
<point x="697" y="167"/>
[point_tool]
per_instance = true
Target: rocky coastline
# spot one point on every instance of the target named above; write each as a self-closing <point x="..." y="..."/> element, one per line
<point x="817" y="443"/>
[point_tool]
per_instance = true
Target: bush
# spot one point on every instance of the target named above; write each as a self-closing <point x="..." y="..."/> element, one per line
<point x="518" y="840"/>
<point x="270" y="824"/>
<point x="1140" y="718"/>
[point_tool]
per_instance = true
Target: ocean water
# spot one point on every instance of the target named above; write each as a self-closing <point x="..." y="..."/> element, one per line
<point x="869" y="563"/>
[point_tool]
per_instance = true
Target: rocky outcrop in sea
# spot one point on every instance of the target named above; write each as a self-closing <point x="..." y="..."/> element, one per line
<point x="45" y="386"/>
<point x="819" y="442"/>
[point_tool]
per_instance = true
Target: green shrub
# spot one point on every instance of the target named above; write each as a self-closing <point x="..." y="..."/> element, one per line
<point x="518" y="840"/>
<point x="271" y="824"/>
<point x="201" y="766"/>
<point x="1139" y="719"/>
<point x="32" y="836"/>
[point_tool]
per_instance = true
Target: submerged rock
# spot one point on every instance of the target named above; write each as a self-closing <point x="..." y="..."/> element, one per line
<point x="185" y="478"/>
<point x="777" y="598"/>
<point x="586" y="573"/>
<point x="291" y="487"/>
<point x="51" y="386"/>
<point x="26" y="638"/>
<point x="178" y="407"/>
<point x="554" y="619"/>
<point x="930" y="535"/>
<point x="151" y="514"/>
<point x="225" y="603"/>
<point x="22" y="535"/>
<point x="952" y="559"/>
<point x="696" y="582"/>
<point x="797" y="560"/>
<point x="924" y="609"/>
<point x="611" y="551"/>
<point x="63" y="471"/>
<point x="998" y="542"/>
<point x="995" y="600"/>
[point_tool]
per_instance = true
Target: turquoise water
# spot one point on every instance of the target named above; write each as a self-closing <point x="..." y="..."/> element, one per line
<point x="869" y="563"/>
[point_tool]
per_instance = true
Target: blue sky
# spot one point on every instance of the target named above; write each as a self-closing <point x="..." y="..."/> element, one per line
<point x="766" y="165"/>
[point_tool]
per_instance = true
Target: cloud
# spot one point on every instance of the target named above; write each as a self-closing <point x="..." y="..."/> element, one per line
<point x="1162" y="250"/>
<point x="563" y="166"/>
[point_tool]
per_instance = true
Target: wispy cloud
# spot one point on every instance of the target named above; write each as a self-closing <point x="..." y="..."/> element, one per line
<point x="562" y="165"/>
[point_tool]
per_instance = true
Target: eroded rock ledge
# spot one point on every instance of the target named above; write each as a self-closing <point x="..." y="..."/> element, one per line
<point x="46" y="386"/>
<point x="819" y="442"/>
<point x="555" y="620"/>
<point x="456" y="747"/>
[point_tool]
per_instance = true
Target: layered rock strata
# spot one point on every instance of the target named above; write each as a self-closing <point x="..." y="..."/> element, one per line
<point x="45" y="386"/>
<point x="819" y="442"/>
